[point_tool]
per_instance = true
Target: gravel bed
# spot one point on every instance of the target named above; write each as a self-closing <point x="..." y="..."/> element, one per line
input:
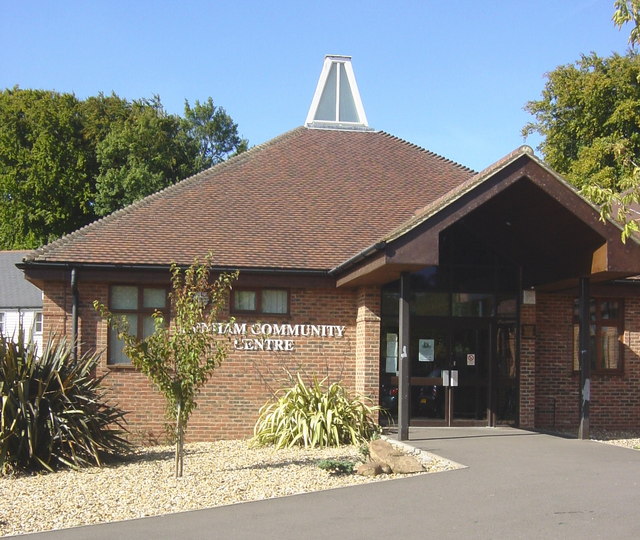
<point x="215" y="474"/>
<point x="628" y="439"/>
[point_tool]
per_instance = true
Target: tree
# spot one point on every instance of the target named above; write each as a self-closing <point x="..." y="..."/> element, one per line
<point x="45" y="177"/>
<point x="589" y="116"/>
<point x="65" y="161"/>
<point x="628" y="11"/>
<point x="215" y="131"/>
<point x="180" y="358"/>
<point x="147" y="152"/>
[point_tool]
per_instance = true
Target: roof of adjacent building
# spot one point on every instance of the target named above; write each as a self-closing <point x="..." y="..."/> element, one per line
<point x="309" y="199"/>
<point x="15" y="291"/>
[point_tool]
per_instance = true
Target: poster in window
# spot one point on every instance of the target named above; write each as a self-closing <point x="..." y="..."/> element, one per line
<point x="392" y="353"/>
<point x="426" y="350"/>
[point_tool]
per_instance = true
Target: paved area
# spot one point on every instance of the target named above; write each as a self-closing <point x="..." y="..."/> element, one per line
<point x="518" y="484"/>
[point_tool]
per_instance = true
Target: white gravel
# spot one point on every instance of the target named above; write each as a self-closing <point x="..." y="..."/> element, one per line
<point x="215" y="474"/>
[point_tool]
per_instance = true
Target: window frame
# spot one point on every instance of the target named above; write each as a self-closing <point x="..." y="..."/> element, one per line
<point x="38" y="320"/>
<point x="3" y="322"/>
<point x="259" y="310"/>
<point x="597" y="360"/>
<point x="140" y="312"/>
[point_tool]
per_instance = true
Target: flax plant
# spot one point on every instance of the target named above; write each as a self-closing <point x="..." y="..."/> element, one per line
<point x="53" y="411"/>
<point x="315" y="415"/>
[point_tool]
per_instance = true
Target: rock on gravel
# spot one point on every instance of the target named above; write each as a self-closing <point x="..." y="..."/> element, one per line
<point x="215" y="474"/>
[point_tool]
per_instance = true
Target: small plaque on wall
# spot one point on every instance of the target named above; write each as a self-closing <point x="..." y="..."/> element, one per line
<point x="528" y="331"/>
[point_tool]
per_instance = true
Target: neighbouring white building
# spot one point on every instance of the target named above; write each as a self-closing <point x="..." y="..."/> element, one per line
<point x="20" y="301"/>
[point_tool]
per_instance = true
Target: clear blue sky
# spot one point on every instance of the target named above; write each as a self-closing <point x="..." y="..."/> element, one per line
<point x="449" y="76"/>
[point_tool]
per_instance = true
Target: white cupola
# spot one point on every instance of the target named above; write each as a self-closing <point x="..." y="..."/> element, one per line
<point x="336" y="103"/>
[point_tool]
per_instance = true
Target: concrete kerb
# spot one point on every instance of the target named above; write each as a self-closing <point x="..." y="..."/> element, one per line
<point x="422" y="455"/>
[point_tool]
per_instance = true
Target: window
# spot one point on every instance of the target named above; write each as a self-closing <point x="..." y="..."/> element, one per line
<point x="264" y="301"/>
<point x="1" y="323"/>
<point x="137" y="304"/>
<point x="606" y="329"/>
<point x="37" y="323"/>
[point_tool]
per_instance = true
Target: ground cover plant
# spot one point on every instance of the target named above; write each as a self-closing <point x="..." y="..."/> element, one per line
<point x="315" y="415"/>
<point x="53" y="412"/>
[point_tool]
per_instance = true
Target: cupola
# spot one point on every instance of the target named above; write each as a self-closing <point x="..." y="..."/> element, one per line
<point x="336" y="103"/>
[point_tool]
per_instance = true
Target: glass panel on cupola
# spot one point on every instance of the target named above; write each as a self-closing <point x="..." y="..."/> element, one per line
<point x="327" y="106"/>
<point x="348" y="112"/>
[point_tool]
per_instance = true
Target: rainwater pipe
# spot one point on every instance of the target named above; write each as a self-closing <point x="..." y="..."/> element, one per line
<point x="74" y="312"/>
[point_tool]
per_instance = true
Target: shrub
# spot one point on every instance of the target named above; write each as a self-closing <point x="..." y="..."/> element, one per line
<point x="52" y="409"/>
<point x="313" y="416"/>
<point x="337" y="466"/>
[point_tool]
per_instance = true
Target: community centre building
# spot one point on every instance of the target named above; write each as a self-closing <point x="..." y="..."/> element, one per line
<point x="450" y="297"/>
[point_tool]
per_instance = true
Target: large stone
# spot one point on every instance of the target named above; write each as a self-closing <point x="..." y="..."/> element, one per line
<point x="370" y="468"/>
<point x="405" y="465"/>
<point x="384" y="452"/>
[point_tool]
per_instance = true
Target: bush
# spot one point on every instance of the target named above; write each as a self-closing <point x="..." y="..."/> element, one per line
<point x="314" y="416"/>
<point x="337" y="466"/>
<point x="53" y="412"/>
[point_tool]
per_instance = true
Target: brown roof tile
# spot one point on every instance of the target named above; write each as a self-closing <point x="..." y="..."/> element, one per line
<point x="308" y="199"/>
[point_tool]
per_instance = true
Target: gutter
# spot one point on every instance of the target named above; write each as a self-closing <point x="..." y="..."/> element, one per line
<point x="164" y="267"/>
<point x="378" y="246"/>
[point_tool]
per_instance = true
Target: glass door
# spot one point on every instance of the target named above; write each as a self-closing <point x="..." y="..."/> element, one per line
<point x="470" y="374"/>
<point x="450" y="374"/>
<point x="429" y="354"/>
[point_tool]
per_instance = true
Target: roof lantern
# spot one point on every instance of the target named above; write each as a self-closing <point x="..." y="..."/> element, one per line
<point x="336" y="103"/>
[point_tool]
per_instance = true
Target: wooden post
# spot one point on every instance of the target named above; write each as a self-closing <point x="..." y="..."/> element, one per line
<point x="403" y="360"/>
<point x="585" y="358"/>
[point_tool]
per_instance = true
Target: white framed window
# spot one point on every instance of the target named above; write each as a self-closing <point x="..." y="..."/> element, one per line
<point x="37" y="322"/>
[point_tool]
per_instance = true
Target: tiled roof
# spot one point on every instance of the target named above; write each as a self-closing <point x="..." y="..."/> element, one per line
<point x="308" y="199"/>
<point x="15" y="290"/>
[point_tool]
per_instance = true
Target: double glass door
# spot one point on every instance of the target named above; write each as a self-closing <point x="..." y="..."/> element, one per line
<point x="450" y="373"/>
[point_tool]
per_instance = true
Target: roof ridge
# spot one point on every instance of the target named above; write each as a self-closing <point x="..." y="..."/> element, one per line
<point x="426" y="151"/>
<point x="222" y="166"/>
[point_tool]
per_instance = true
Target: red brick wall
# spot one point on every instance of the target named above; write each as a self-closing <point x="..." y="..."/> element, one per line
<point x="527" y="392"/>
<point x="368" y="343"/>
<point x="228" y="405"/>
<point x="615" y="398"/>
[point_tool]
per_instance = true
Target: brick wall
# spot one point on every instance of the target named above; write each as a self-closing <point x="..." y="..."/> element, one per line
<point x="527" y="392"/>
<point x="615" y="398"/>
<point x="228" y="405"/>
<point x="368" y="343"/>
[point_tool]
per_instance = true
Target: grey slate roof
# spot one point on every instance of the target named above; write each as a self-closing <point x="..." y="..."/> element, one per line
<point x="15" y="290"/>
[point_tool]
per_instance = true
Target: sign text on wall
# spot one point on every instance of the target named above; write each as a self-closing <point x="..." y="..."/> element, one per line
<point x="271" y="336"/>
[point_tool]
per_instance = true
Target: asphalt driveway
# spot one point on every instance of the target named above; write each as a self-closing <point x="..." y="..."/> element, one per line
<point x="517" y="484"/>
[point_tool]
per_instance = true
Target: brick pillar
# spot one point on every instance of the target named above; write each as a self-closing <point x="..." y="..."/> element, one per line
<point x="368" y="342"/>
<point x="527" y="369"/>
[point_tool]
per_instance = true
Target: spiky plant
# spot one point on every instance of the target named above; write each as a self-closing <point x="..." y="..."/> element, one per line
<point x="315" y="415"/>
<point x="53" y="412"/>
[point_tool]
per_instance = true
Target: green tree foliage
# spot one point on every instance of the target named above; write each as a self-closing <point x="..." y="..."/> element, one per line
<point x="215" y="132"/>
<point x="180" y="358"/>
<point x="588" y="113"/>
<point x="65" y="161"/>
<point x="45" y="176"/>
<point x="628" y="11"/>
<point x="147" y="152"/>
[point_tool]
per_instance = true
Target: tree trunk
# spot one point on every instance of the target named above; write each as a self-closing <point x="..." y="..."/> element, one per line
<point x="179" y="442"/>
